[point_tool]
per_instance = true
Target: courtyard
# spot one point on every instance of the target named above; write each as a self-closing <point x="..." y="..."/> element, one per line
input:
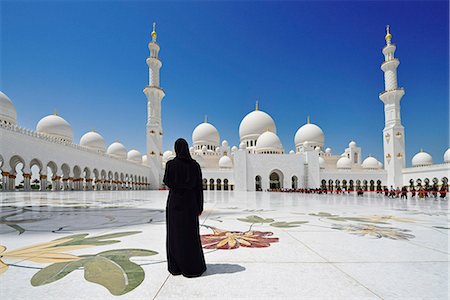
<point x="257" y="245"/>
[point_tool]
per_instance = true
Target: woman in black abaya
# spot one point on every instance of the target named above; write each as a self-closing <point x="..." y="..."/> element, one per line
<point x="183" y="177"/>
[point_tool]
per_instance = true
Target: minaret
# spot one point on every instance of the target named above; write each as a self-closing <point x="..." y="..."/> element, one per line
<point x="154" y="95"/>
<point x="394" y="132"/>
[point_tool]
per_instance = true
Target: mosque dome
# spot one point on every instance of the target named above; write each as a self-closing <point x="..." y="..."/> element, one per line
<point x="168" y="155"/>
<point x="447" y="156"/>
<point x="8" y="112"/>
<point x="380" y="165"/>
<point x="200" y="160"/>
<point x="117" y="150"/>
<point x="224" y="144"/>
<point x="205" y="133"/>
<point x="256" y="123"/>
<point x="144" y="159"/>
<point x="292" y="152"/>
<point x="321" y="162"/>
<point x="352" y="144"/>
<point x="309" y="133"/>
<point x="268" y="141"/>
<point x="234" y="149"/>
<point x="134" y="156"/>
<point x="370" y="163"/>
<point x="422" y="159"/>
<point x="328" y="151"/>
<point x="344" y="163"/>
<point x="225" y="162"/>
<point x="242" y="146"/>
<point x="93" y="140"/>
<point x="56" y="126"/>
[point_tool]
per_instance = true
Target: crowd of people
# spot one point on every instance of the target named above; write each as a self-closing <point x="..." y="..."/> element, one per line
<point x="420" y="192"/>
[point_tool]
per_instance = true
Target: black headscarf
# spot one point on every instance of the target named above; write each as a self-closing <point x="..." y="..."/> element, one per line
<point x="182" y="149"/>
<point x="182" y="171"/>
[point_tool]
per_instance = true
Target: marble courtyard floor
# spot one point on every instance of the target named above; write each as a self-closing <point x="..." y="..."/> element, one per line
<point x="111" y="245"/>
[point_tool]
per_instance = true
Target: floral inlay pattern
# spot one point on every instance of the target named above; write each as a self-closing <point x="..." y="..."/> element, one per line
<point x="224" y="239"/>
<point x="112" y="269"/>
<point x="376" y="231"/>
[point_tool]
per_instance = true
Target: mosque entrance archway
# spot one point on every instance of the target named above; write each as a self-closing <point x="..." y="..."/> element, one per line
<point x="258" y="183"/>
<point x="276" y="179"/>
<point x="294" y="182"/>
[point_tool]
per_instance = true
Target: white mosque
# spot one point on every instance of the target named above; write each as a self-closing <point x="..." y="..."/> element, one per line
<point x="48" y="158"/>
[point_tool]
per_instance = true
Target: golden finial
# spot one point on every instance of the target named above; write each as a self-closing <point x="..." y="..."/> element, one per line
<point x="206" y="118"/>
<point x="55" y="112"/>
<point x="256" y="105"/>
<point x="388" y="36"/>
<point x="154" y="32"/>
<point x="421" y="150"/>
<point x="93" y="130"/>
<point x="308" y="120"/>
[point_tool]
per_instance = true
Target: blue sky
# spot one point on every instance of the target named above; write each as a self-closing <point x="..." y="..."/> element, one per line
<point x="87" y="61"/>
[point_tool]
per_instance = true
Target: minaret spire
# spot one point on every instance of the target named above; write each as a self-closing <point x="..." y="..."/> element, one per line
<point x="154" y="35"/>
<point x="154" y="94"/>
<point x="256" y="105"/>
<point x="388" y="36"/>
<point x="394" y="132"/>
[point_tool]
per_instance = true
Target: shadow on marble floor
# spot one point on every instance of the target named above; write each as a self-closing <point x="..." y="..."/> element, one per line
<point x="213" y="269"/>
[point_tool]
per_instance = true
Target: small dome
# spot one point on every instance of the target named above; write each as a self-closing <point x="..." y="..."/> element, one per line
<point x="224" y="144"/>
<point x="352" y="144"/>
<point x="242" y="146"/>
<point x="144" y="159"/>
<point x="447" y="156"/>
<point x="134" y="156"/>
<point x="321" y="162"/>
<point x="422" y="159"/>
<point x="56" y="126"/>
<point x="234" y="149"/>
<point x="309" y="133"/>
<point x="191" y="149"/>
<point x="93" y="140"/>
<point x="167" y="155"/>
<point x="256" y="123"/>
<point x="370" y="163"/>
<point x="269" y="141"/>
<point x="205" y="133"/>
<point x="317" y="149"/>
<point x="225" y="162"/>
<point x="8" y="112"/>
<point x="328" y="151"/>
<point x="217" y="149"/>
<point x="344" y="163"/>
<point x="204" y="149"/>
<point x="292" y="152"/>
<point x="117" y="150"/>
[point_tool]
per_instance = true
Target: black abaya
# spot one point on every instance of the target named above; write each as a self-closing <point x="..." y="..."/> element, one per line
<point x="185" y="203"/>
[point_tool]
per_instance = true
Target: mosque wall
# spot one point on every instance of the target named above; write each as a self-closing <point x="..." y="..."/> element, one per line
<point x="70" y="162"/>
<point x="439" y="172"/>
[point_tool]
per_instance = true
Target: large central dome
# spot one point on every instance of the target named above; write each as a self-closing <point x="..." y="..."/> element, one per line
<point x="205" y="134"/>
<point x="254" y="124"/>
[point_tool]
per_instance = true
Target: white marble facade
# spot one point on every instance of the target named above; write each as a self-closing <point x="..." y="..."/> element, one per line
<point x="259" y="162"/>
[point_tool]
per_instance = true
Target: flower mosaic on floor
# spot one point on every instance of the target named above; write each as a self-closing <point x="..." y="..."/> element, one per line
<point x="376" y="219"/>
<point x="112" y="268"/>
<point x="226" y="240"/>
<point x="375" y="231"/>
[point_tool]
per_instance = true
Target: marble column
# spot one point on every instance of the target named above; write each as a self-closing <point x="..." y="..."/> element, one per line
<point x="12" y="182"/>
<point x="43" y="181"/>
<point x="26" y="181"/>
<point x="5" y="181"/>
